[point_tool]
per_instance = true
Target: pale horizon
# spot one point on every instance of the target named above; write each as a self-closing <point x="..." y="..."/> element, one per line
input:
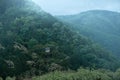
<point x="69" y="7"/>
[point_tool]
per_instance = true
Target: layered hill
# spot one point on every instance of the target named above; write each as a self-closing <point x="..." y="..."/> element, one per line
<point x="99" y="25"/>
<point x="32" y="42"/>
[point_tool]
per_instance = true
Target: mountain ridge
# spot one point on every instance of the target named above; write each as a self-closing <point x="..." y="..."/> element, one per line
<point x="99" y="25"/>
<point x="34" y="43"/>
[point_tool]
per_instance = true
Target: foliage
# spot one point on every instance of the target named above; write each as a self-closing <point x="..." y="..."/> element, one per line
<point x="26" y="33"/>
<point x="99" y="25"/>
<point x="81" y="74"/>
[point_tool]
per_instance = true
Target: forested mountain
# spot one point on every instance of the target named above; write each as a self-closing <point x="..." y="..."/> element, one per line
<point x="32" y="42"/>
<point x="99" y="25"/>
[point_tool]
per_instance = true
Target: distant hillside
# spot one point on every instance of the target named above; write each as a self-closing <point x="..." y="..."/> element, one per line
<point x="99" y="25"/>
<point x="32" y="42"/>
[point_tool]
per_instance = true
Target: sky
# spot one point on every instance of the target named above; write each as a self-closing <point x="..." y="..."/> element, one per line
<point x="69" y="7"/>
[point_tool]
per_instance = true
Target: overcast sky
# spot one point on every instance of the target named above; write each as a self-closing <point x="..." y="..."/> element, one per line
<point x="67" y="7"/>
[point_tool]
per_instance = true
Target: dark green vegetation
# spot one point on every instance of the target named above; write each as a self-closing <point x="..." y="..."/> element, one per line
<point x="81" y="74"/>
<point x="99" y="25"/>
<point x="32" y="42"/>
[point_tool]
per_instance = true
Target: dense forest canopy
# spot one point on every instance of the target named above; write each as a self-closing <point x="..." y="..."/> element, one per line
<point x="33" y="42"/>
<point x="99" y="25"/>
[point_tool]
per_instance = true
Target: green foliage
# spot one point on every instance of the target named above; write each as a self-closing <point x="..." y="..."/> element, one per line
<point x="9" y="78"/>
<point x="27" y="33"/>
<point x="100" y="26"/>
<point x="116" y="75"/>
<point x="81" y="74"/>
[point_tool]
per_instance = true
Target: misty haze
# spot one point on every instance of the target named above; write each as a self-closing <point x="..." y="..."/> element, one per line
<point x="59" y="40"/>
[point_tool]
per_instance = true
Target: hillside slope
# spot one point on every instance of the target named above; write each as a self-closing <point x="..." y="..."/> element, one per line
<point x="32" y="42"/>
<point x="99" y="25"/>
